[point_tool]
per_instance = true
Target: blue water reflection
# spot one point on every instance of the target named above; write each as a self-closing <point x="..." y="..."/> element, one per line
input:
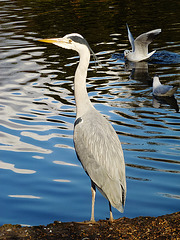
<point x="41" y="179"/>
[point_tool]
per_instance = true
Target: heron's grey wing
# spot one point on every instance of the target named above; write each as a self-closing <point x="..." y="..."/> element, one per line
<point x="142" y="41"/>
<point x="131" y="39"/>
<point x="99" y="150"/>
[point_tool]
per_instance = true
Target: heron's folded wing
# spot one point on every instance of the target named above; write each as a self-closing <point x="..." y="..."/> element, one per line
<point x="99" y="150"/>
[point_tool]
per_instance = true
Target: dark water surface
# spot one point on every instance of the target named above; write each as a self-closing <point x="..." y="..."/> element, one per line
<point x="41" y="179"/>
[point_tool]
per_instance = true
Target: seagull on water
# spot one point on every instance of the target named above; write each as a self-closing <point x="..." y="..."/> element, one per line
<point x="161" y="90"/>
<point x="139" y="46"/>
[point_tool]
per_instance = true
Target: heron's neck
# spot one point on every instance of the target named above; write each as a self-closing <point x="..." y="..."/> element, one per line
<point x="80" y="91"/>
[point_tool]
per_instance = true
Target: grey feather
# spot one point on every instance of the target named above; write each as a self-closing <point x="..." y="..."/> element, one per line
<point x="100" y="153"/>
<point x="131" y="39"/>
<point x="142" y="41"/>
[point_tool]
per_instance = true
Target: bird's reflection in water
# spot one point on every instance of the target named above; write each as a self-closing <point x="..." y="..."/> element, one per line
<point x="139" y="71"/>
<point x="171" y="101"/>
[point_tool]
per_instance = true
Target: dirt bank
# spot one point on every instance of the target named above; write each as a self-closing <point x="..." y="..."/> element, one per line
<point x="163" y="227"/>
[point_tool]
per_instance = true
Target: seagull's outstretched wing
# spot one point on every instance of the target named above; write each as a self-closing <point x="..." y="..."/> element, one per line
<point x="131" y="39"/>
<point x="142" y="41"/>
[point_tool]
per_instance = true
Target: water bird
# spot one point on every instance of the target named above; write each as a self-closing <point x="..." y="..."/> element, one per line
<point x="161" y="90"/>
<point x="139" y="46"/>
<point x="97" y="145"/>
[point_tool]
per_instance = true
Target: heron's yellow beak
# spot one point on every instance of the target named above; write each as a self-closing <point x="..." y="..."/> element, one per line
<point x="50" y="40"/>
<point x="60" y="42"/>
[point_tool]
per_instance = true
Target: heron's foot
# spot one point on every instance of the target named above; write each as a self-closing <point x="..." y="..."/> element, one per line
<point x="110" y="220"/>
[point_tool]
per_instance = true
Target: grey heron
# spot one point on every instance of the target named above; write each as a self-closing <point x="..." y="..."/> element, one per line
<point x="139" y="46"/>
<point x="162" y="90"/>
<point x="96" y="143"/>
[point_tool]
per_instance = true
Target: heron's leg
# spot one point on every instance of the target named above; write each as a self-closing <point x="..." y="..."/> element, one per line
<point x="111" y="215"/>
<point x="93" y="189"/>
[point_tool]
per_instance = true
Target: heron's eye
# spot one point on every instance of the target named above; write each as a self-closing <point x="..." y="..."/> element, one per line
<point x="70" y="41"/>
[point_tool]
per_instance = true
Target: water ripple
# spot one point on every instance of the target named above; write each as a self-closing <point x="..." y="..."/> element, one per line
<point x="41" y="177"/>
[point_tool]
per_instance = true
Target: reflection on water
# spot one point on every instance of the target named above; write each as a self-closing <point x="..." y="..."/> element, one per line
<point x="41" y="180"/>
<point x="65" y="163"/>
<point x="24" y="196"/>
<point x="139" y="71"/>
<point x="4" y="165"/>
<point x="171" y="101"/>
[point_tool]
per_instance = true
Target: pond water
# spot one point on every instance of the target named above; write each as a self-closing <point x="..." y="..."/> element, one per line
<point x="41" y="179"/>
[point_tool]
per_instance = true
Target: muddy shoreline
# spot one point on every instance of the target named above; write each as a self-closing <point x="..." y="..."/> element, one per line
<point x="162" y="227"/>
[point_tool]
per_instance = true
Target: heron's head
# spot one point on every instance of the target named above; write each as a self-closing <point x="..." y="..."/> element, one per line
<point x="72" y="41"/>
<point x="126" y="53"/>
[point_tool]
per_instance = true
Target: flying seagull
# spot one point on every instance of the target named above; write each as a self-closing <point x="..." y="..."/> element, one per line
<point x="139" y="46"/>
